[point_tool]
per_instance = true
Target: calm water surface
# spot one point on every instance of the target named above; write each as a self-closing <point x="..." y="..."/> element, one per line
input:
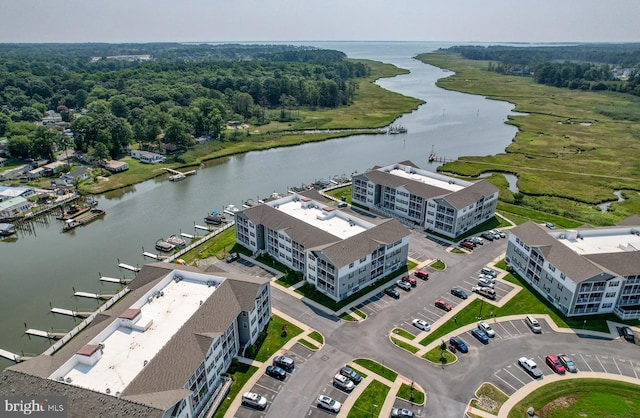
<point x="44" y="267"/>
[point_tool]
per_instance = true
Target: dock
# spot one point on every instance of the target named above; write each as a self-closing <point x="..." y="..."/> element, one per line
<point x="92" y="295"/>
<point x="12" y="356"/>
<point x="69" y="312"/>
<point x="187" y="236"/>
<point x="114" y="280"/>
<point x="129" y="267"/>
<point x="45" y="334"/>
<point x="178" y="175"/>
<point x="83" y="219"/>
<point x="203" y="228"/>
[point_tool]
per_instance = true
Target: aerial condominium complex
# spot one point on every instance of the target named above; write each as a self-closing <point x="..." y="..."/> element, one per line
<point x="582" y="271"/>
<point x="432" y="201"/>
<point x="336" y="249"/>
<point x="160" y="351"/>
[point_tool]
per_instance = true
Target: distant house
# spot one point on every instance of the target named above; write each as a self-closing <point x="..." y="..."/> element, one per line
<point x="2" y="161"/>
<point x="148" y="157"/>
<point x="35" y="173"/>
<point x="115" y="166"/>
<point x="49" y="169"/>
<point x="82" y="156"/>
<point x="13" y="207"/>
<point x="81" y="173"/>
<point x="14" y="173"/>
<point x="8" y="192"/>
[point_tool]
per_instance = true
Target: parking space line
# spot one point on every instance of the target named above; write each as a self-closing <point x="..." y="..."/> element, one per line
<point x="507" y="383"/>
<point x="514" y="327"/>
<point x="505" y="330"/>
<point x="633" y="368"/>
<point x="267" y="388"/>
<point x="586" y="362"/>
<point x="614" y="362"/>
<point x="603" y="368"/>
<point x="514" y="376"/>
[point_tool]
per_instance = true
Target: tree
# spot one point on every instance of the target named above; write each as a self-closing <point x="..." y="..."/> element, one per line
<point x="176" y="133"/>
<point x="42" y="140"/>
<point x="99" y="152"/>
<point x="4" y="121"/>
<point x="19" y="146"/>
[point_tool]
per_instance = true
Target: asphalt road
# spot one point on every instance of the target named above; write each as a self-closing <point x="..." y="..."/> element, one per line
<point x="448" y="388"/>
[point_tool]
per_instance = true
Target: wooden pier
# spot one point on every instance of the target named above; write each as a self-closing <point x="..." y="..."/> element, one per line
<point x="178" y="175"/>
<point x="93" y="295"/>
<point x="203" y="228"/>
<point x="69" y="312"/>
<point x="129" y="267"/>
<point x="13" y="356"/>
<point x="115" y="280"/>
<point x="45" y="334"/>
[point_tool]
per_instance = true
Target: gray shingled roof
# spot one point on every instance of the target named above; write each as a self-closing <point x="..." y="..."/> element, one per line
<point x="464" y="197"/>
<point x="414" y="187"/>
<point x="573" y="265"/>
<point x="354" y="248"/>
<point x="633" y="220"/>
<point x="623" y="263"/>
<point x="156" y="386"/>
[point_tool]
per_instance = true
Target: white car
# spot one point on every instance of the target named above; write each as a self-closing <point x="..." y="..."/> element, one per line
<point x="403" y="285"/>
<point x="421" y="324"/>
<point x="254" y="400"/>
<point x="487" y="329"/>
<point x="485" y="283"/>
<point x="329" y="403"/>
<point x="343" y="382"/>
<point x="530" y="367"/>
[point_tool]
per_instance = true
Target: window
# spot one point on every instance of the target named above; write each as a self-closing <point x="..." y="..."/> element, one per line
<point x="350" y="265"/>
<point x="552" y="267"/>
<point x="562" y="276"/>
<point x="614" y="283"/>
<point x="610" y="295"/>
<point x="607" y="305"/>
<point x="363" y="259"/>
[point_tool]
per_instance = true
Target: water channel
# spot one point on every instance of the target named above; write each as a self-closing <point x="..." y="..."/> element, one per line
<point x="43" y="267"/>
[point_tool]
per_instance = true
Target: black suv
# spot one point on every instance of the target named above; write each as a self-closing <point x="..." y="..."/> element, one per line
<point x="351" y="374"/>
<point x="284" y="362"/>
<point x="456" y="291"/>
<point x="391" y="291"/>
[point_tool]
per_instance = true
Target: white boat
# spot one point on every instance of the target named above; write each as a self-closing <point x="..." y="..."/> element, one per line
<point x="177" y="241"/>
<point x="162" y="245"/>
<point x="231" y="210"/>
<point x="177" y="177"/>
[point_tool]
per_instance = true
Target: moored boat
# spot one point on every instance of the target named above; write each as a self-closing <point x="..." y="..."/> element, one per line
<point x="83" y="219"/>
<point x="162" y="245"/>
<point x="73" y="211"/>
<point x="176" y="241"/>
<point x="231" y="210"/>
<point x="7" y="229"/>
<point x="177" y="177"/>
<point x="214" y="218"/>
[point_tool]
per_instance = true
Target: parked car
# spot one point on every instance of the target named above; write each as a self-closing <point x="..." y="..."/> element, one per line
<point x="421" y="324"/>
<point x="403" y="285"/>
<point x="254" y="400"/>
<point x="408" y="279"/>
<point x="401" y="413"/>
<point x="502" y="234"/>
<point x="480" y="335"/>
<point x="487" y="236"/>
<point x="285" y="363"/>
<point x="351" y="374"/>
<point x="343" y="382"/>
<point x="550" y="225"/>
<point x="391" y="291"/>
<point x="233" y="257"/>
<point x="530" y="367"/>
<point x="487" y="292"/>
<point x="627" y="334"/>
<point x="487" y="329"/>
<point x="477" y="240"/>
<point x="495" y="233"/>
<point x="421" y="274"/>
<point x="568" y="364"/>
<point x="487" y="277"/>
<point x="482" y="282"/>
<point x="489" y="272"/>
<point x="277" y="372"/>
<point x="328" y="403"/>
<point x="468" y="245"/>
<point x="457" y="343"/>
<point x="442" y="304"/>
<point x="555" y="364"/>
<point x="533" y="324"/>
<point x="456" y="291"/>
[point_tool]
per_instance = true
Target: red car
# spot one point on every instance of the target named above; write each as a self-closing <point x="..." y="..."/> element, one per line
<point x="468" y="245"/>
<point x="421" y="274"/>
<point x="555" y="364"/>
<point x="442" y="304"/>
<point x="413" y="282"/>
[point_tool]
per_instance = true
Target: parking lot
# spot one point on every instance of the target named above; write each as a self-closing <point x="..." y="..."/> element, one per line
<point x="269" y="387"/>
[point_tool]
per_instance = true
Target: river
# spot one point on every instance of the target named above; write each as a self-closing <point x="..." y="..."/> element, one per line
<point x="43" y="267"/>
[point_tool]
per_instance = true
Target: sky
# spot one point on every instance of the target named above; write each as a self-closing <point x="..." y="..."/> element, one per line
<point x="319" y="20"/>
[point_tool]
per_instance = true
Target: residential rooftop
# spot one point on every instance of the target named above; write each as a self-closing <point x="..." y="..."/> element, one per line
<point x="600" y="240"/>
<point x="113" y="359"/>
<point x="431" y="179"/>
<point x="321" y="216"/>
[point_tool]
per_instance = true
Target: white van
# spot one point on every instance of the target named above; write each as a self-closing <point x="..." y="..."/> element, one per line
<point x="533" y="324"/>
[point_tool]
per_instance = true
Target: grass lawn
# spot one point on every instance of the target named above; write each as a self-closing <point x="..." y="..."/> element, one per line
<point x="489" y="398"/>
<point x="316" y="336"/>
<point x="274" y="340"/>
<point x="403" y="333"/>
<point x="411" y="394"/>
<point x="359" y="313"/>
<point x="404" y="345"/>
<point x="435" y="355"/>
<point x="240" y="373"/>
<point x="346" y="316"/>
<point x="219" y="246"/>
<point x="341" y="192"/>
<point x="370" y="401"/>
<point x="438" y="265"/>
<point x="377" y="368"/>
<point x="308" y="344"/>
<point x="582" y="398"/>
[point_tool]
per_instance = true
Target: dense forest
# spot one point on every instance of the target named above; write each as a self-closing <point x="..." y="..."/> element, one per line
<point x="165" y="92"/>
<point x="581" y="66"/>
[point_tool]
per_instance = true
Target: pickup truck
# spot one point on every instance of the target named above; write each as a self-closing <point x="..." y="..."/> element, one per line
<point x="530" y="367"/>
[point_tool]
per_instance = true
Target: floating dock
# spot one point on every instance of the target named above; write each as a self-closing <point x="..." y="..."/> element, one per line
<point x="12" y="356"/>
<point x="82" y="219"/>
<point x="69" y="312"/>
<point x="129" y="267"/>
<point x="92" y="295"/>
<point x="187" y="236"/>
<point x="115" y="280"/>
<point x="203" y="228"/>
<point x="45" y="334"/>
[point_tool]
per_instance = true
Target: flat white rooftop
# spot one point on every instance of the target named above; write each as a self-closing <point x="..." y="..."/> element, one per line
<point x="603" y="243"/>
<point x="126" y="350"/>
<point x="340" y="224"/>
<point x="427" y="179"/>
